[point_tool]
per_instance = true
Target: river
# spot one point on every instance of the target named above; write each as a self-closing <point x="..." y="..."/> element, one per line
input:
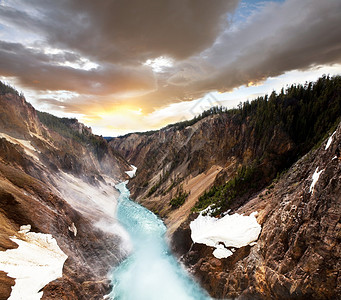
<point x="150" y="272"/>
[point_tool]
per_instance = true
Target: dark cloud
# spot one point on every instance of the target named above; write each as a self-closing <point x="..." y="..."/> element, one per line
<point x="40" y="71"/>
<point x="284" y="37"/>
<point x="208" y="55"/>
<point x="126" y="30"/>
<point x="297" y="34"/>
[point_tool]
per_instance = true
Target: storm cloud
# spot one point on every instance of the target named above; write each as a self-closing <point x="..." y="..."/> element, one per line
<point x="207" y="49"/>
<point x="44" y="72"/>
<point x="282" y="37"/>
<point x="125" y="30"/>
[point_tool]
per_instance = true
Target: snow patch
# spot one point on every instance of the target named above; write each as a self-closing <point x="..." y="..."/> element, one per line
<point x="131" y="173"/>
<point x="73" y="229"/>
<point x="329" y="141"/>
<point x="25" y="229"/>
<point x="315" y="178"/>
<point x="230" y="231"/>
<point x="37" y="261"/>
<point x="222" y="252"/>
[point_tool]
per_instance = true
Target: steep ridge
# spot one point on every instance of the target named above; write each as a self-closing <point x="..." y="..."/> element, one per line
<point x="61" y="183"/>
<point x="213" y="149"/>
<point x="297" y="255"/>
<point x="227" y="160"/>
<point x="251" y="145"/>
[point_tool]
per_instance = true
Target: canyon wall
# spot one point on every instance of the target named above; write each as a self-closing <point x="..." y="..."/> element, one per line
<point x="60" y="182"/>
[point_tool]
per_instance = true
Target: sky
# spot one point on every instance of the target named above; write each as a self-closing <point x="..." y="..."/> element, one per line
<point x="121" y="66"/>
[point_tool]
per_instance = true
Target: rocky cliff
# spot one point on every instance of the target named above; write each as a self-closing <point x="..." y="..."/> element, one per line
<point x="261" y="139"/>
<point x="58" y="177"/>
<point x="235" y="160"/>
<point x="297" y="255"/>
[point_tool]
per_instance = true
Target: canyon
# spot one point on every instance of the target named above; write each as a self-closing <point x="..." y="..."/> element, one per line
<point x="276" y="159"/>
<point x="260" y="159"/>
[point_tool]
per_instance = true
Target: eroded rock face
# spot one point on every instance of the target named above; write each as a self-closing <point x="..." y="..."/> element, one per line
<point x="298" y="254"/>
<point x="212" y="148"/>
<point x="37" y="167"/>
<point x="18" y="117"/>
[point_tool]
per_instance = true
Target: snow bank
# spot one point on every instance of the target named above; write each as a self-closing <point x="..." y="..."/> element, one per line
<point x="37" y="261"/>
<point x="329" y="141"/>
<point x="131" y="173"/>
<point x="222" y="252"/>
<point x="315" y="178"/>
<point x="230" y="231"/>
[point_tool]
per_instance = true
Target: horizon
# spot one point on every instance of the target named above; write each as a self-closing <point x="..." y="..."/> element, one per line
<point x="175" y="123"/>
<point x="170" y="64"/>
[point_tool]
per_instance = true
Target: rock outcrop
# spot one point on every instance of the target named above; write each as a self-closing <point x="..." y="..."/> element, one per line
<point x="55" y="182"/>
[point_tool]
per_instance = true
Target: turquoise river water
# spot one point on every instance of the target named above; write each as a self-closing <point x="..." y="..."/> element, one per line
<point x="151" y="272"/>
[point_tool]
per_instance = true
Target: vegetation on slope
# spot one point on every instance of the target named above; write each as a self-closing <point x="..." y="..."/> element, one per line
<point x="305" y="112"/>
<point x="179" y="199"/>
<point x="222" y="196"/>
<point x="68" y="129"/>
<point x="5" y="89"/>
<point x="295" y="109"/>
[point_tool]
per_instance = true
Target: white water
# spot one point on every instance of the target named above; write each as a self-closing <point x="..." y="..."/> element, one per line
<point x="150" y="272"/>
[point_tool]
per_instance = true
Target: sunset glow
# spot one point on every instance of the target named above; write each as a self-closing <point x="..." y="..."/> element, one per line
<point x="118" y="73"/>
